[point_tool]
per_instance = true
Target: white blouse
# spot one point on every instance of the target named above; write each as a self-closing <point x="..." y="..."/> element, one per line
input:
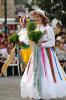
<point x="48" y="39"/>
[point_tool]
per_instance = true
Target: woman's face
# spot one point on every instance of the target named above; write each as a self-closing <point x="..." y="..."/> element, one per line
<point x="38" y="18"/>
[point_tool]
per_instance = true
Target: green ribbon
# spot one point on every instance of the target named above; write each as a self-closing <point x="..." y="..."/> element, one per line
<point x="37" y="69"/>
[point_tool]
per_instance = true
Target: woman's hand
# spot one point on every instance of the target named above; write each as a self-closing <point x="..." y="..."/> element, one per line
<point x="32" y="45"/>
<point x="39" y="44"/>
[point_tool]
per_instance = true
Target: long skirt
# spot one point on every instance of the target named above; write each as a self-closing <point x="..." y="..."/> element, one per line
<point x="44" y="76"/>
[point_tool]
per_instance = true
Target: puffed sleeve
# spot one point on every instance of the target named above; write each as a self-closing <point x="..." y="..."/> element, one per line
<point x="50" y="38"/>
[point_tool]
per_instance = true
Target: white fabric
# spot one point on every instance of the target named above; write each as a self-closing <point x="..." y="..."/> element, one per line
<point x="55" y="21"/>
<point x="3" y="51"/>
<point x="49" y="36"/>
<point x="60" y="54"/>
<point x="23" y="36"/>
<point x="50" y="89"/>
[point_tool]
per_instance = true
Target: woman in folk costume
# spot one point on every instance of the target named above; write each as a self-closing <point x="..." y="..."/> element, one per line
<point x="23" y="38"/>
<point x="44" y="77"/>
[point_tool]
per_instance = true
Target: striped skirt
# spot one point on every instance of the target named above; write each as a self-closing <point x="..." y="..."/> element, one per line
<point x="43" y="77"/>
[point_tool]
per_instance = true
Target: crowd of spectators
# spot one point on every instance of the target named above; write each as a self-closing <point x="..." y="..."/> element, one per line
<point x="6" y="47"/>
<point x="60" y="47"/>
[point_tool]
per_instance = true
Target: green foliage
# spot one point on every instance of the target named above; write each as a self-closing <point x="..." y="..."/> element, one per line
<point x="19" y="1"/>
<point x="35" y="36"/>
<point x="14" y="38"/>
<point x="43" y="4"/>
<point x="23" y="2"/>
<point x="31" y="26"/>
<point x="53" y="8"/>
<point x="63" y="19"/>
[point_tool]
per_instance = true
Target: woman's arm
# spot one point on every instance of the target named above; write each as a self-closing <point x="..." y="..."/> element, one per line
<point x="50" y="38"/>
<point x="32" y="45"/>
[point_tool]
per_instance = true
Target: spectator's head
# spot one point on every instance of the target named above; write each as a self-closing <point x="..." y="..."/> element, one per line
<point x="3" y="35"/>
<point x="58" y="28"/>
<point x="57" y="43"/>
<point x="5" y="43"/>
<point x="61" y="42"/>
<point x="9" y="46"/>
<point x="12" y="45"/>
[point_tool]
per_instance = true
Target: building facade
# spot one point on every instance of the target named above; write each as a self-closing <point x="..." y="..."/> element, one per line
<point x="10" y="8"/>
<point x="10" y="14"/>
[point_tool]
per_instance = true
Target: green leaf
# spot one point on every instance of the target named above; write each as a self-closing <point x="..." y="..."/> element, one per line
<point x="35" y="36"/>
<point x="14" y="38"/>
<point x="31" y="26"/>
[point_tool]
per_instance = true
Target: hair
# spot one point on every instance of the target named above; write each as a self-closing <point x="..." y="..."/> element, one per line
<point x="59" y="26"/>
<point x="45" y="20"/>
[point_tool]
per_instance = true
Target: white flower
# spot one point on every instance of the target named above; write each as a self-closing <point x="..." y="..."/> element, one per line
<point x="23" y="37"/>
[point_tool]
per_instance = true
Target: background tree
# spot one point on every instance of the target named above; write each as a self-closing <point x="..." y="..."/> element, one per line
<point x="23" y="2"/>
<point x="53" y="8"/>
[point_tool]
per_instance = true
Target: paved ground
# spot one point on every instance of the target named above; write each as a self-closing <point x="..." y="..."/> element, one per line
<point x="10" y="89"/>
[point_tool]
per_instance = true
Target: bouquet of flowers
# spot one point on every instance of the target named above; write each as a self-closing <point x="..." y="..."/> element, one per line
<point x="33" y="34"/>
